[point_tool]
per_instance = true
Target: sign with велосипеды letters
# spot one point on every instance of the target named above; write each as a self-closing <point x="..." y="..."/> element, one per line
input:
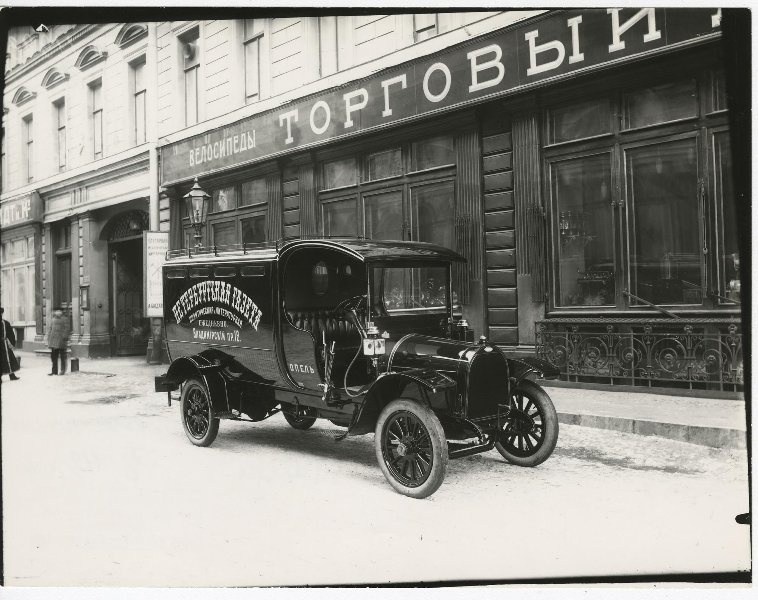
<point x="154" y="248"/>
<point x="533" y="52"/>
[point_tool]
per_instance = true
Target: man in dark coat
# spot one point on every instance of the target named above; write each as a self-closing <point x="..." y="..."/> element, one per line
<point x="8" y="360"/>
<point x="57" y="340"/>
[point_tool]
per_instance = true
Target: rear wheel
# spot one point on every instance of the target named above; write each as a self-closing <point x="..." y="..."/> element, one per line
<point x="411" y="448"/>
<point x="301" y="419"/>
<point x="198" y="421"/>
<point x="530" y="432"/>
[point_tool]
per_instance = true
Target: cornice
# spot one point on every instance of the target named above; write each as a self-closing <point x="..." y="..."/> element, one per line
<point x="64" y="42"/>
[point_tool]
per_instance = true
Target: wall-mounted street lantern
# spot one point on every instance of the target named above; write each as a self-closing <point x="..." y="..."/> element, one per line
<point x="198" y="202"/>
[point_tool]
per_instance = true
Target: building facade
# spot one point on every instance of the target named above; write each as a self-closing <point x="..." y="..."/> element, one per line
<point x="578" y="159"/>
<point x="77" y="183"/>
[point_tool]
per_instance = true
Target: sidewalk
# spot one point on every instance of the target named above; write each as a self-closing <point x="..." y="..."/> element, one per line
<point x="707" y="422"/>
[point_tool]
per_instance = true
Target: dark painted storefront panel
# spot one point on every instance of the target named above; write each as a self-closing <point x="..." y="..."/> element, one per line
<point x="508" y="336"/>
<point x="498" y="201"/>
<point x="499" y="220"/>
<point x="500" y="239"/>
<point x="498" y="162"/>
<point x="498" y="181"/>
<point x="501" y="298"/>
<point x="501" y="277"/>
<point x="503" y="316"/>
<point x="496" y="143"/>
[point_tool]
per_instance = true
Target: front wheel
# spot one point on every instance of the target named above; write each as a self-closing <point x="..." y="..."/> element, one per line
<point x="530" y="432"/>
<point x="411" y="448"/>
<point x="198" y="421"/>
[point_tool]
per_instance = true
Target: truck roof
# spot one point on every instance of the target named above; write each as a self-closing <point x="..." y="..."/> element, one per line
<point x="364" y="250"/>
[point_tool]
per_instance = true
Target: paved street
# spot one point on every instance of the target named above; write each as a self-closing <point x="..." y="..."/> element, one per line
<point x="101" y="487"/>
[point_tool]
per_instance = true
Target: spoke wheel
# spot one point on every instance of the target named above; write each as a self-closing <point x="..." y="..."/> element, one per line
<point x="303" y="420"/>
<point x="198" y="421"/>
<point x="411" y="448"/>
<point x="530" y="432"/>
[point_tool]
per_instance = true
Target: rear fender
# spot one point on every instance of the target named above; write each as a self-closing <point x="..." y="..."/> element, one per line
<point x="521" y="368"/>
<point x="389" y="387"/>
<point x="208" y="372"/>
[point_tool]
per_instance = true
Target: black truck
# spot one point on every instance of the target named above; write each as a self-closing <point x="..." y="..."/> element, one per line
<point x="363" y="333"/>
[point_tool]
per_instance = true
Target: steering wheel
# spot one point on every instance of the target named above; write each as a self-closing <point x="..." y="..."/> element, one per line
<point x="350" y="304"/>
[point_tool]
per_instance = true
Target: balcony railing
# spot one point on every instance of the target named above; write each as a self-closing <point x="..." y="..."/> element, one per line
<point x="685" y="353"/>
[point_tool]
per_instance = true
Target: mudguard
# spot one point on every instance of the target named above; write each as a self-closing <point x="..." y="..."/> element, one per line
<point x="199" y="366"/>
<point x="387" y="387"/>
<point x="520" y="368"/>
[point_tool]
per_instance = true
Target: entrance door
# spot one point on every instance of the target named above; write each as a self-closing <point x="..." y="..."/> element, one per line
<point x="130" y="330"/>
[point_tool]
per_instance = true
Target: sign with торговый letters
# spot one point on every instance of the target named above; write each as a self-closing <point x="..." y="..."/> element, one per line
<point x="513" y="59"/>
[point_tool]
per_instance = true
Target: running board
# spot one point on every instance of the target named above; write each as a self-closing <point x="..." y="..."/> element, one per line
<point x="469" y="449"/>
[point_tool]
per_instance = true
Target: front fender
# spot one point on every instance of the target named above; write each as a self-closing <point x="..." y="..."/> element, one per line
<point x="521" y="368"/>
<point x="388" y="387"/>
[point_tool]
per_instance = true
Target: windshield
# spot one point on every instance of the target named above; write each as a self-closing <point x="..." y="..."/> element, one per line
<point x="410" y="289"/>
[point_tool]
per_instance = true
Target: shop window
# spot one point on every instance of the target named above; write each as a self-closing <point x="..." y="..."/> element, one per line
<point x="434" y="152"/>
<point x="381" y="165"/>
<point x="340" y="173"/>
<point x="718" y="100"/>
<point x="383" y="213"/>
<point x="584" y="242"/>
<point x="338" y="217"/>
<point x="224" y="199"/>
<point x="224" y="233"/>
<point x="661" y="104"/>
<point x="579" y="121"/>
<point x="665" y="255"/>
<point x="432" y="208"/>
<point x="254" y="192"/>
<point x="254" y="229"/>
<point x="729" y="234"/>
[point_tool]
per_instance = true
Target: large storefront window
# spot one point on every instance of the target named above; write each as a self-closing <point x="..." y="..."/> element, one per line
<point x="631" y="211"/>
<point x="586" y="270"/>
<point x="18" y="279"/>
<point x="404" y="192"/>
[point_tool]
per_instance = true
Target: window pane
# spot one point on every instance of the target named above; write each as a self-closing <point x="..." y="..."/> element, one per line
<point x="578" y="121"/>
<point x="729" y="253"/>
<point x="30" y="246"/>
<point x="61" y="148"/>
<point x="718" y="93"/>
<point x="661" y="104"/>
<point x="63" y="280"/>
<point x="339" y="218"/>
<point x="252" y="69"/>
<point x="254" y="192"/>
<point x="384" y="216"/>
<point x="19" y="300"/>
<point x="254" y="230"/>
<point x="584" y="224"/>
<point x="432" y="213"/>
<point x="433" y="152"/>
<point x="665" y="254"/>
<point x="224" y="199"/>
<point x="97" y="97"/>
<point x="139" y="77"/>
<point x="190" y="96"/>
<point x="30" y="306"/>
<point x="5" y="290"/>
<point x="98" y="132"/>
<point x="384" y="164"/>
<point x="225" y="233"/>
<point x="139" y="118"/>
<point x="340" y="173"/>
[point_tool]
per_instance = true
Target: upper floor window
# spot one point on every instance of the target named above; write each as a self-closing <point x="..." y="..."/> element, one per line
<point x="253" y="35"/>
<point x="191" y="64"/>
<point x="96" y="103"/>
<point x="2" y="158"/>
<point x="59" y="109"/>
<point x="28" y="133"/>
<point x="424" y="26"/>
<point x="139" y="101"/>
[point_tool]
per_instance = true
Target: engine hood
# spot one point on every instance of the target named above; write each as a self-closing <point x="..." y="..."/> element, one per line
<point x="416" y="351"/>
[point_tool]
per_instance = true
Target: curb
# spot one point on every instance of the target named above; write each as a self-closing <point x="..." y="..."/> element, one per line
<point x="714" y="437"/>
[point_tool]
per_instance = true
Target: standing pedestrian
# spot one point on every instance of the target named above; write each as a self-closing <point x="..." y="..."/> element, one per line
<point x="57" y="340"/>
<point x="7" y="358"/>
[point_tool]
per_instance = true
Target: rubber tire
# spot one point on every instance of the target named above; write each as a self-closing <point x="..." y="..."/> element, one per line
<point x="212" y="431"/>
<point x="550" y="420"/>
<point x="301" y="423"/>
<point x="439" y="447"/>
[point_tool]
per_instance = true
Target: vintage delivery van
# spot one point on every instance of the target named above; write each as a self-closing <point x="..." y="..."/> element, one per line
<point x="362" y="333"/>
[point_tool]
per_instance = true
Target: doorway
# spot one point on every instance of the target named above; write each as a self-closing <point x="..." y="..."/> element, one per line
<point x="129" y="329"/>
